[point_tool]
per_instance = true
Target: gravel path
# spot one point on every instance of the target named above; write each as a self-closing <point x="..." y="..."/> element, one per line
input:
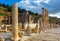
<point x="52" y="35"/>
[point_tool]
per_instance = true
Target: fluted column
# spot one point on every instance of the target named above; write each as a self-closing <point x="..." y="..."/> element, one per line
<point x="15" y="22"/>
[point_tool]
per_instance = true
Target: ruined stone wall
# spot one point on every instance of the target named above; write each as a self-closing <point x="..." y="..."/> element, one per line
<point x="1" y="18"/>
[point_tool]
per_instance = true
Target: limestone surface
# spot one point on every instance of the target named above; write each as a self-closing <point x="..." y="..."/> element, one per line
<point x="51" y="35"/>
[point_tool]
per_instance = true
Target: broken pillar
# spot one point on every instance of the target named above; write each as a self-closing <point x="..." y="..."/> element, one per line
<point x="36" y="29"/>
<point x="40" y="25"/>
<point x="28" y="28"/>
<point x="2" y="38"/>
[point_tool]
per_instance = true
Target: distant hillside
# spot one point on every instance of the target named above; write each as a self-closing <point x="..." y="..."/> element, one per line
<point x="6" y="9"/>
<point x="3" y="10"/>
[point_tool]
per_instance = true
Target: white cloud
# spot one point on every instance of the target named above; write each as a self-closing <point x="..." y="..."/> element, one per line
<point x="27" y="4"/>
<point x="55" y="15"/>
<point x="46" y="1"/>
<point x="23" y="2"/>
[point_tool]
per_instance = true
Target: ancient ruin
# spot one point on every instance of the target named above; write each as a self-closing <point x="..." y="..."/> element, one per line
<point x="23" y="25"/>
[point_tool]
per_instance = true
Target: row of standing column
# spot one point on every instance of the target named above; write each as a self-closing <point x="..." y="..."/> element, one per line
<point x="44" y="18"/>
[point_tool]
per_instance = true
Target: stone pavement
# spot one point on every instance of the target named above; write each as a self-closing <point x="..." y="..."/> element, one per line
<point x="51" y="35"/>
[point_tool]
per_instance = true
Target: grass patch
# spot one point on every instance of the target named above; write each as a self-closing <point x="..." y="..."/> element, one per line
<point x="2" y="14"/>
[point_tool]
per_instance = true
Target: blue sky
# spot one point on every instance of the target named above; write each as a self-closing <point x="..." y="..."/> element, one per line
<point x="53" y="6"/>
<point x="9" y="2"/>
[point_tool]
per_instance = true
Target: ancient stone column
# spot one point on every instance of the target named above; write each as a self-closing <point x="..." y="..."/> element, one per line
<point x="28" y="28"/>
<point x="45" y="18"/>
<point x="30" y="18"/>
<point x="15" y="22"/>
<point x="40" y="24"/>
